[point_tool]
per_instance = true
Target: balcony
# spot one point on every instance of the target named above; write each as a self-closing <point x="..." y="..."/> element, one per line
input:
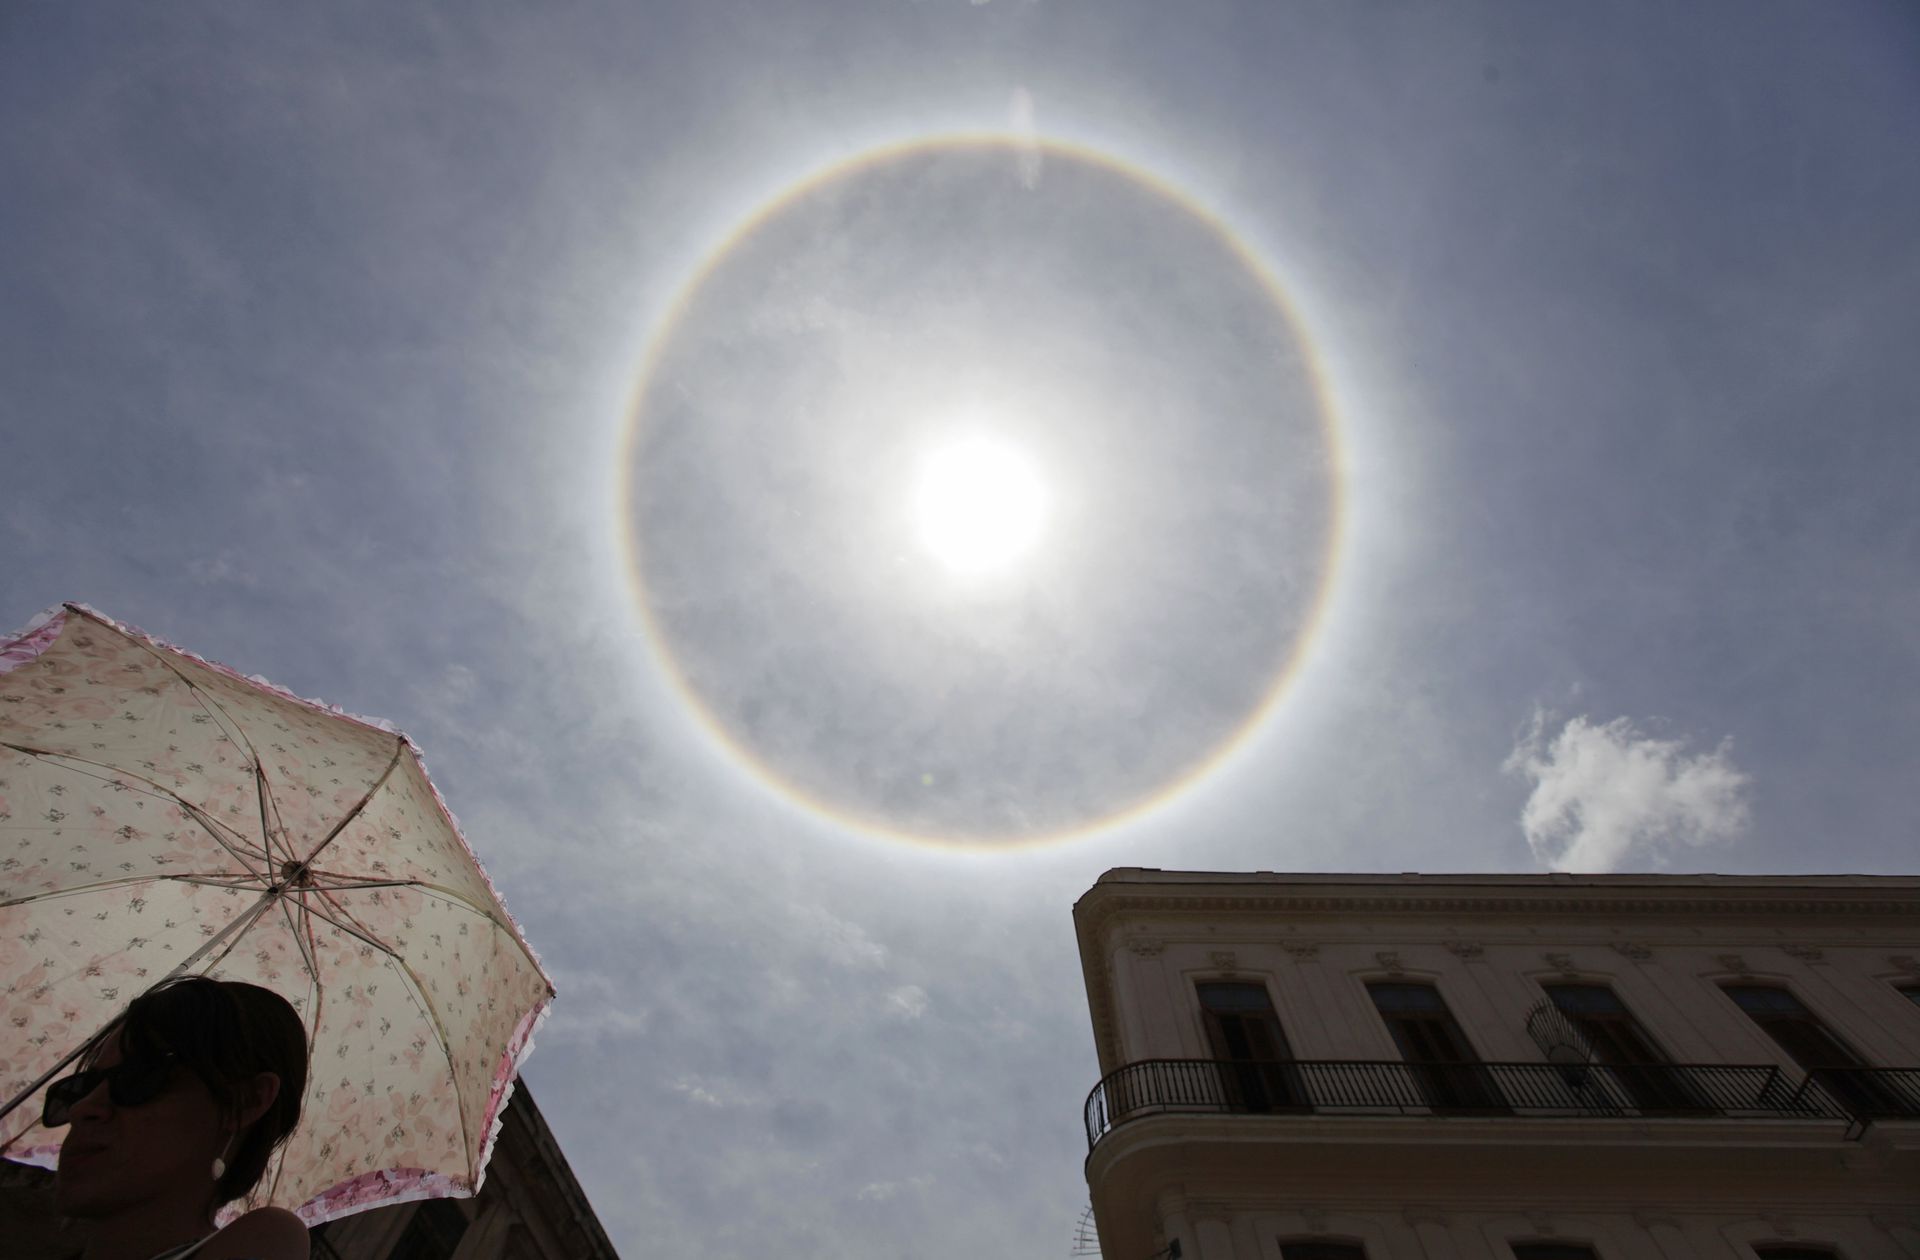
<point x="1865" y="1094"/>
<point x="1546" y="1090"/>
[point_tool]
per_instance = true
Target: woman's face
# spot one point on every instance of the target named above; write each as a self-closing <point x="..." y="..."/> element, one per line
<point x="116" y="1158"/>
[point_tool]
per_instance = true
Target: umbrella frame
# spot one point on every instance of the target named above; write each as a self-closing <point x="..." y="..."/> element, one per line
<point x="369" y="1189"/>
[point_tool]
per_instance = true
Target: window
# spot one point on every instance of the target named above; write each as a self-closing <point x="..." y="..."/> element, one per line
<point x="1606" y="1021"/>
<point x="432" y="1233"/>
<point x="1553" y="1251"/>
<point x="1314" y="1249"/>
<point x="1800" y="1033"/>
<point x="1444" y="1066"/>
<point x="1912" y="993"/>
<point x="1636" y="1067"/>
<point x="320" y="1245"/>
<point x="1241" y="1023"/>
<point x="1250" y="1046"/>
<point x="1797" y="1030"/>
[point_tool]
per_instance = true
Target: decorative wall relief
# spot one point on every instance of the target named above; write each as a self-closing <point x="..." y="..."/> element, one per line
<point x="1734" y="963"/>
<point x="1633" y="950"/>
<point x="1562" y="963"/>
<point x="1301" y="951"/>
<point x="1467" y="951"/>
<point x="1224" y="959"/>
<point x="1805" y="953"/>
<point x="1390" y="960"/>
<point x="1146" y="946"/>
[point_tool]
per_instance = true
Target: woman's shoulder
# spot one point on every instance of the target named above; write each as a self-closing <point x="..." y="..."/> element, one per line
<point x="267" y="1233"/>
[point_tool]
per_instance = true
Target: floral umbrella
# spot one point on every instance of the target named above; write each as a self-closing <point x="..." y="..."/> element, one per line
<point x="162" y="815"/>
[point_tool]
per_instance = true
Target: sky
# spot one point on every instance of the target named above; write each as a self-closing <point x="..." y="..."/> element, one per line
<point x="1455" y="438"/>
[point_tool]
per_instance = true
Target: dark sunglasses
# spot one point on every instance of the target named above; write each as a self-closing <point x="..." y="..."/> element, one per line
<point x="128" y="1084"/>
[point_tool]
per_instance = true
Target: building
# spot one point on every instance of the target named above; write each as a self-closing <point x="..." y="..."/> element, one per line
<point x="1503" y="1067"/>
<point x="529" y="1208"/>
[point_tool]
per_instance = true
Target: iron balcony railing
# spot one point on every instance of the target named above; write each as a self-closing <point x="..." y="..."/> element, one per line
<point x="1868" y="1093"/>
<point x="1394" y="1087"/>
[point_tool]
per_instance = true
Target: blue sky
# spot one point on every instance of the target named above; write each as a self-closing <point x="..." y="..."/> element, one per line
<point x="321" y="328"/>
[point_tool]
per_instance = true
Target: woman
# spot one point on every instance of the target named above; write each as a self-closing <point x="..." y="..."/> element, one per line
<point x="174" y="1114"/>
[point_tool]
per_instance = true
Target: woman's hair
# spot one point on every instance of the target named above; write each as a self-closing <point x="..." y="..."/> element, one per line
<point x="226" y="1033"/>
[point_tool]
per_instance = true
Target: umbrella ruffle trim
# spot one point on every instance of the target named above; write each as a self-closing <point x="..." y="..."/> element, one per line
<point x="453" y="824"/>
<point x="405" y="1185"/>
<point x="46" y="1155"/>
<point x="379" y="1189"/>
<point x="387" y="1185"/>
<point x="34" y="638"/>
<point x="504" y="1077"/>
<point x="49" y="624"/>
<point x="40" y="633"/>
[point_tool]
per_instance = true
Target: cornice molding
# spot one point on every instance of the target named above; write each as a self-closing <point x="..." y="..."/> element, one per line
<point x="1562" y="963"/>
<point x="1107" y="904"/>
<point x="1104" y="903"/>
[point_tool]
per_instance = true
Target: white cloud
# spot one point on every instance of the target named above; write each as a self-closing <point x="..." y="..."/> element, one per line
<point x="709" y="1093"/>
<point x="881" y="1191"/>
<point x="595" y="1008"/>
<point x="222" y="568"/>
<point x="908" y="1001"/>
<point x="1609" y="793"/>
<point x="843" y="941"/>
<point x="586" y="1023"/>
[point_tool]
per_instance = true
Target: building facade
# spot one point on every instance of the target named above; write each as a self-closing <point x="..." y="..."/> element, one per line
<point x="1523" y="1067"/>
<point x="529" y="1208"/>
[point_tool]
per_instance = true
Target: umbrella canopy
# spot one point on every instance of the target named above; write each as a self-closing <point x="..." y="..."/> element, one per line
<point x="163" y="815"/>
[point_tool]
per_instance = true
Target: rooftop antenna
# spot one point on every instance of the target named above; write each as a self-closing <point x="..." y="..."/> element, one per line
<point x="1086" y="1238"/>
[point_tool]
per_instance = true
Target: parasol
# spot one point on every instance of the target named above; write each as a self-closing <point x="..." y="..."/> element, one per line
<point x="162" y="815"/>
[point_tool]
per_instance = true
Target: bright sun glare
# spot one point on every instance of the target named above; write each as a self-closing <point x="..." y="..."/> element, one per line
<point x="978" y="506"/>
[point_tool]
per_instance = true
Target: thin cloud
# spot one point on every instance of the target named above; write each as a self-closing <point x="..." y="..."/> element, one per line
<point x="844" y="942"/>
<point x="909" y="1001"/>
<point x="881" y="1191"/>
<point x="709" y="1093"/>
<point x="1606" y="794"/>
<point x="221" y="569"/>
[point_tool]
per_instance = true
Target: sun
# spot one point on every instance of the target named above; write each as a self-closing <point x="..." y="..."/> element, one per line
<point x="978" y="505"/>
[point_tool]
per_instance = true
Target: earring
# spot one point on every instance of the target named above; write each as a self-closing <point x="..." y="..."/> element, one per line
<point x="219" y="1168"/>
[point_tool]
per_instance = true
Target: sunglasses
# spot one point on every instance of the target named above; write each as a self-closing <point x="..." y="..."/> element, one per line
<point x="128" y="1084"/>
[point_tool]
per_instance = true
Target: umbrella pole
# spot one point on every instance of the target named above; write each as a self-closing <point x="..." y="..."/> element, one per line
<point x="240" y="924"/>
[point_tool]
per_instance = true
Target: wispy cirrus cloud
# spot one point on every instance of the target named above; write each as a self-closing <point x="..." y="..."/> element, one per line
<point x="909" y="1001"/>
<point x="1609" y="793"/>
